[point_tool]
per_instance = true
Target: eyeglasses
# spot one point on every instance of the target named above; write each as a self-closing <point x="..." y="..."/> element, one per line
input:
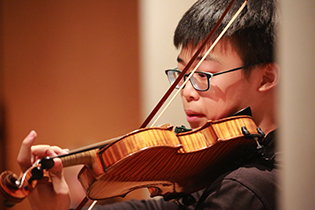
<point x="199" y="80"/>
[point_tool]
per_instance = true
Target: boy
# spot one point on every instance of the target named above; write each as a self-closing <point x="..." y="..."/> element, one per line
<point x="250" y="80"/>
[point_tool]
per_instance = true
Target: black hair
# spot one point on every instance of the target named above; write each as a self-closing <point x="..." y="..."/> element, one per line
<point x="252" y="34"/>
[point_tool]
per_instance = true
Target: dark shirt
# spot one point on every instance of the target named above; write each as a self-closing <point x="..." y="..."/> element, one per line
<point x="253" y="185"/>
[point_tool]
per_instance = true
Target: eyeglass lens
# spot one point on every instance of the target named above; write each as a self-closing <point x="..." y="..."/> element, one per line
<point x="200" y="81"/>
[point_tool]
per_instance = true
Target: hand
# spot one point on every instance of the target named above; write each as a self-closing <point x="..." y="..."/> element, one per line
<point x="53" y="195"/>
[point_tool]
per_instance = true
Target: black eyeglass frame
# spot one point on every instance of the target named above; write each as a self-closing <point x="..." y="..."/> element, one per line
<point x="209" y="75"/>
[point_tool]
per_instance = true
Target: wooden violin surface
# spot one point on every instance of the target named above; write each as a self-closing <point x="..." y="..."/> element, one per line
<point x="165" y="162"/>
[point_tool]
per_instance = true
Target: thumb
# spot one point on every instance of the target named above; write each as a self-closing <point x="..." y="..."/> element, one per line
<point x="25" y="154"/>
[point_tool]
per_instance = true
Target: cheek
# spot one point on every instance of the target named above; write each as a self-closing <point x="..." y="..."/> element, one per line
<point x="232" y="82"/>
<point x="221" y="89"/>
<point x="226" y="95"/>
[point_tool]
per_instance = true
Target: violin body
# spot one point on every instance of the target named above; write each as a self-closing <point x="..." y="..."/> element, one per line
<point x="155" y="158"/>
<point x="165" y="162"/>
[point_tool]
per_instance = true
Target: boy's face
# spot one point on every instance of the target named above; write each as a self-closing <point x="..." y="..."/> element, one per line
<point x="228" y="93"/>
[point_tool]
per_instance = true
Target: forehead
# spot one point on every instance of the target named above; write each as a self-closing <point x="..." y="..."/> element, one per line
<point x="222" y="50"/>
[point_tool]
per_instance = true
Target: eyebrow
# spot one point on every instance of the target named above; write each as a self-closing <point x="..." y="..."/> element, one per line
<point x="208" y="57"/>
<point x="179" y="60"/>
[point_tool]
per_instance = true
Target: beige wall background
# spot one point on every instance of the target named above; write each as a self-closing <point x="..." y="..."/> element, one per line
<point x="297" y="102"/>
<point x="158" y="21"/>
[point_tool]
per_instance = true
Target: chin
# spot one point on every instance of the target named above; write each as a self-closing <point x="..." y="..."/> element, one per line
<point x="195" y="125"/>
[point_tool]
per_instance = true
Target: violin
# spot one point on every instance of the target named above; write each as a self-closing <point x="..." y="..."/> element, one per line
<point x="155" y="158"/>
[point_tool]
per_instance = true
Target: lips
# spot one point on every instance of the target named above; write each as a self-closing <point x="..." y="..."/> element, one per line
<point x="193" y="116"/>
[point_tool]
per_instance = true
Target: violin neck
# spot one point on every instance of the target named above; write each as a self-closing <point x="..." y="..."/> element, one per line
<point x="84" y="155"/>
<point x="79" y="158"/>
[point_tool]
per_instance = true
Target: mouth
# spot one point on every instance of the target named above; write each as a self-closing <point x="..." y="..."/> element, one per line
<point x="193" y="116"/>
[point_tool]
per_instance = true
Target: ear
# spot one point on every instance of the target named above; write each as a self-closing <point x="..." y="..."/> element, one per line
<point x="269" y="76"/>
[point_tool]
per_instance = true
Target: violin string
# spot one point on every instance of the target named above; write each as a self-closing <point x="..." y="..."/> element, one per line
<point x="97" y="145"/>
<point x="199" y="63"/>
<point x="20" y="182"/>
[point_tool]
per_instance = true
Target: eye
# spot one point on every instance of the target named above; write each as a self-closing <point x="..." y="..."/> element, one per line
<point x="200" y="76"/>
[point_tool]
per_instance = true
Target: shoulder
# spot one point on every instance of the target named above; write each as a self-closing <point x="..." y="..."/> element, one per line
<point x="252" y="186"/>
<point x="254" y="176"/>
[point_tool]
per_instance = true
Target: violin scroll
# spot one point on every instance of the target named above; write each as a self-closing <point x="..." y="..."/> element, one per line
<point x="14" y="189"/>
<point x="11" y="194"/>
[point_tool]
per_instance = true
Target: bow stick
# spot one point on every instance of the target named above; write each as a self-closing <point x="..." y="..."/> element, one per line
<point x="199" y="63"/>
<point x="196" y="54"/>
<point x="172" y="87"/>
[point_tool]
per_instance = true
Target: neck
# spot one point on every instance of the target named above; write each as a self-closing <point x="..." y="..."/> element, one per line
<point x="267" y="125"/>
<point x="265" y="117"/>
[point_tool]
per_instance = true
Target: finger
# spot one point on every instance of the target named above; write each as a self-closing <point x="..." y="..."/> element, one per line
<point x="56" y="191"/>
<point x="57" y="178"/>
<point x="60" y="151"/>
<point x="41" y="151"/>
<point x="25" y="154"/>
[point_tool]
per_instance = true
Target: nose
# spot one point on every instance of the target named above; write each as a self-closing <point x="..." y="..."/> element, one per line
<point x="189" y="92"/>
